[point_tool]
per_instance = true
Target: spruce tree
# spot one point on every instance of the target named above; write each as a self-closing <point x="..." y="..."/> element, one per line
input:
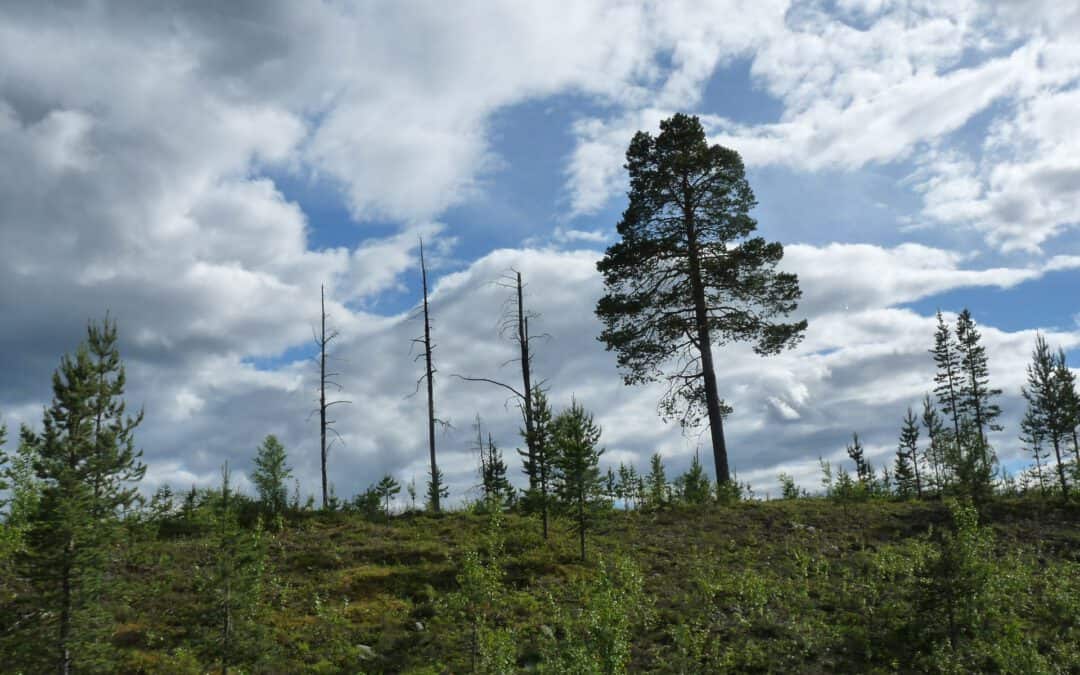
<point x="230" y="582"/>
<point x="948" y="380"/>
<point x="270" y="475"/>
<point x="87" y="464"/>
<point x="437" y="490"/>
<point x="1069" y="402"/>
<point x="938" y="444"/>
<point x="497" y="488"/>
<point x="1031" y="435"/>
<point x="658" y="491"/>
<point x="18" y="483"/>
<point x="909" y="450"/>
<point x="410" y="488"/>
<point x="538" y="459"/>
<point x="976" y="395"/>
<point x="863" y="470"/>
<point x="3" y="457"/>
<point x="1046" y="419"/>
<point x="640" y="491"/>
<point x="903" y="474"/>
<point x="688" y="274"/>
<point x="693" y="486"/>
<point x="494" y="485"/>
<point x="577" y="466"/>
<point x="612" y="489"/>
<point x="627" y="485"/>
<point x="387" y="489"/>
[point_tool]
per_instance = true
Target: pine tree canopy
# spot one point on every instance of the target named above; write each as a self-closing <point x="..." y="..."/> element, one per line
<point x="688" y="274"/>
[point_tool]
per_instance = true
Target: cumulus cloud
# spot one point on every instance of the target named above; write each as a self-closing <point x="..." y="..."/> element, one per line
<point x="891" y="83"/>
<point x="135" y="142"/>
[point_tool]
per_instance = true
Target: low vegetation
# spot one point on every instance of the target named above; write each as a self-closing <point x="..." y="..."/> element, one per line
<point x="800" y="585"/>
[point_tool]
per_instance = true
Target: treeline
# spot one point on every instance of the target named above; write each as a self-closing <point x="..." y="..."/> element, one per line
<point x="946" y="449"/>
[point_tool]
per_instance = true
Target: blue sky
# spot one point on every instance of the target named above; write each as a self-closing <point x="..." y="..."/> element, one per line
<point x="200" y="172"/>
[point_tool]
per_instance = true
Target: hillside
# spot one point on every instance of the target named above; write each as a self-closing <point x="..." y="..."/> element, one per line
<point x="804" y="585"/>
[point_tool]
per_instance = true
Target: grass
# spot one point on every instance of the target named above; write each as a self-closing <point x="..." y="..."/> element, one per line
<point x="782" y="586"/>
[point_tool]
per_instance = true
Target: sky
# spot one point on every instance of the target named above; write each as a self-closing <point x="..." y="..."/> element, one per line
<point x="198" y="170"/>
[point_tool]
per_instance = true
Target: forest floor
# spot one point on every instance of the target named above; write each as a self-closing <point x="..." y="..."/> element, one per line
<point x="805" y="585"/>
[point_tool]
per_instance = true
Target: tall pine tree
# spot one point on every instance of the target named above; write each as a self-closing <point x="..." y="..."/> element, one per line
<point x="87" y="465"/>
<point x="688" y="274"/>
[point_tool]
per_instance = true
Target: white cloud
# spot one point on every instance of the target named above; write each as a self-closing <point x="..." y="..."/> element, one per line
<point x="132" y="149"/>
<point x="886" y="82"/>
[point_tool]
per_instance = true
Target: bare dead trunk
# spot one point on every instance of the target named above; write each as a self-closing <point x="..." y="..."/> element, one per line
<point x="526" y="376"/>
<point x="435" y="485"/>
<point x="322" y="394"/>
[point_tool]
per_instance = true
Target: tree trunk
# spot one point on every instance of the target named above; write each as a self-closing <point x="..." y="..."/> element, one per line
<point x="1076" y="447"/>
<point x="915" y="463"/>
<point x="435" y="486"/>
<point x="701" y="319"/>
<point x="526" y="376"/>
<point x="1038" y="470"/>
<point x="544" y="497"/>
<point x="581" y="522"/>
<point x="322" y="394"/>
<point x="953" y="403"/>
<point x="227" y="629"/>
<point x="1060" y="466"/>
<point x="65" y="610"/>
<point x="976" y="401"/>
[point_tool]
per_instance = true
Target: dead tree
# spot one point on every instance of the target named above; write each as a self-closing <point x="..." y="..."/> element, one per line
<point x="435" y="488"/>
<point x="526" y="373"/>
<point x="515" y="323"/>
<point x="322" y="341"/>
